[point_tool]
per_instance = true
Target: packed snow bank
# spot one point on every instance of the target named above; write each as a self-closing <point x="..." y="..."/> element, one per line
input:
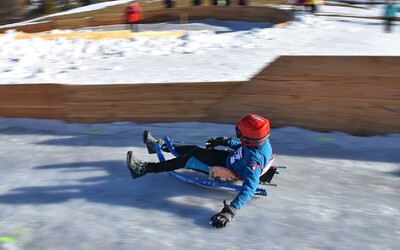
<point x="202" y="55"/>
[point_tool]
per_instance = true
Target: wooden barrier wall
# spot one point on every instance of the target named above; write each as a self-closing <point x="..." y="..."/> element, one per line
<point x="168" y="102"/>
<point x="256" y="14"/>
<point x="44" y="101"/>
<point x="31" y="28"/>
<point x="357" y="95"/>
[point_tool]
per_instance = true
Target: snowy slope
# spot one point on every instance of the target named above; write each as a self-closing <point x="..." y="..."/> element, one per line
<point x="212" y="51"/>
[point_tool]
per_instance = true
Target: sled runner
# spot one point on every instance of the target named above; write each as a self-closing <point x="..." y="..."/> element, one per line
<point x="219" y="177"/>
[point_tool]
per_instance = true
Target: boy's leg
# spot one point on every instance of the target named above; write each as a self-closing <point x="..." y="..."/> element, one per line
<point x="185" y="149"/>
<point x="211" y="157"/>
<point x="151" y="141"/>
<point x="138" y="168"/>
<point x="135" y="166"/>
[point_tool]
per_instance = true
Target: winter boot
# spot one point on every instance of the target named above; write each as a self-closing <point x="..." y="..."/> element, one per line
<point x="151" y="142"/>
<point x="135" y="166"/>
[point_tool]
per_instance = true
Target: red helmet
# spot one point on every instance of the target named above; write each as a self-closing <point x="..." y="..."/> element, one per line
<point x="252" y="130"/>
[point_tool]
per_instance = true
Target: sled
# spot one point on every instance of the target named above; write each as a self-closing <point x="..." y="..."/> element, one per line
<point x="216" y="180"/>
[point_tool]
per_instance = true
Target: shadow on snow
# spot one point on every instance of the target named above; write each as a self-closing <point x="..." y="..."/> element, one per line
<point x="289" y="141"/>
<point x="151" y="192"/>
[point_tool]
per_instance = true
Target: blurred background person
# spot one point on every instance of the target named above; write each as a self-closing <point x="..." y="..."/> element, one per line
<point x="243" y="2"/>
<point x="169" y="3"/>
<point x="389" y="15"/>
<point x="133" y="14"/>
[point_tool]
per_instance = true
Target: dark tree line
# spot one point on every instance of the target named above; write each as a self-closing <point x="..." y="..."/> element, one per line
<point x="18" y="10"/>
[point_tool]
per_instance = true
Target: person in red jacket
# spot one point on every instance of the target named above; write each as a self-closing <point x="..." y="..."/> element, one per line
<point x="133" y="14"/>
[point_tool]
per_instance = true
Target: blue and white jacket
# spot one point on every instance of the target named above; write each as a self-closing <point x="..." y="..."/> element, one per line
<point x="248" y="163"/>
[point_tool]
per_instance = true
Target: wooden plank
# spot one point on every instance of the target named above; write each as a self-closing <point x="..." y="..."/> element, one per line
<point x="145" y="96"/>
<point x="31" y="94"/>
<point x="151" y="86"/>
<point x="29" y="98"/>
<point x="107" y="19"/>
<point x="345" y="87"/>
<point x="31" y="28"/>
<point x="317" y="78"/>
<point x="40" y="94"/>
<point x="11" y="88"/>
<point x="354" y="125"/>
<point x="145" y="92"/>
<point x="72" y="23"/>
<point x="144" y="102"/>
<point x="32" y="101"/>
<point x="194" y="108"/>
<point x="326" y="114"/>
<point x="253" y="13"/>
<point x="367" y="66"/>
<point x="375" y="108"/>
<point x="138" y="119"/>
<point x="40" y="112"/>
<point x="358" y="125"/>
<point x="256" y="14"/>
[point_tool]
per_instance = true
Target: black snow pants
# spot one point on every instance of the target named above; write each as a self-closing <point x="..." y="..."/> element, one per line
<point x="211" y="157"/>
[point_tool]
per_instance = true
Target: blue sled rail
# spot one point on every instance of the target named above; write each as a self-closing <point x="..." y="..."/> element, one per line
<point x="200" y="181"/>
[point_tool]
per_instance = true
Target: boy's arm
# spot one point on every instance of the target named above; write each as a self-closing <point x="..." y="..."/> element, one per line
<point x="233" y="144"/>
<point x="249" y="187"/>
<point x="217" y="141"/>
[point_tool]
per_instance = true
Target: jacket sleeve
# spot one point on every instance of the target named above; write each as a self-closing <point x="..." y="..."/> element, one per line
<point x="234" y="144"/>
<point x="249" y="186"/>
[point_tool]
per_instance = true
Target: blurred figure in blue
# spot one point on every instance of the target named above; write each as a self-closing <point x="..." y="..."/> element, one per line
<point x="389" y="14"/>
<point x="310" y="6"/>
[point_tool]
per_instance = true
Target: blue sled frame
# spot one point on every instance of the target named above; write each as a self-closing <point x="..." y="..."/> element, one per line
<point x="200" y="181"/>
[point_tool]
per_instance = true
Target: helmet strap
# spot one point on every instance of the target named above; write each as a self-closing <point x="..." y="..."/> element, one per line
<point x="254" y="141"/>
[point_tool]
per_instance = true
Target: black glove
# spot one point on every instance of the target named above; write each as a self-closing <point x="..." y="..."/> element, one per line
<point x="217" y="141"/>
<point x="222" y="218"/>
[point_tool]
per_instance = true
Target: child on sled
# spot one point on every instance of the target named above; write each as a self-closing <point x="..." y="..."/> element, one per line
<point x="248" y="160"/>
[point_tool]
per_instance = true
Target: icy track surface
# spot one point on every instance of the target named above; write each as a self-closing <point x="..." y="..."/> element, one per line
<point x="66" y="186"/>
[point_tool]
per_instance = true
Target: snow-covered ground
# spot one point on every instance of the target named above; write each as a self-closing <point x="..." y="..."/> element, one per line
<point x="65" y="186"/>
<point x="211" y="51"/>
